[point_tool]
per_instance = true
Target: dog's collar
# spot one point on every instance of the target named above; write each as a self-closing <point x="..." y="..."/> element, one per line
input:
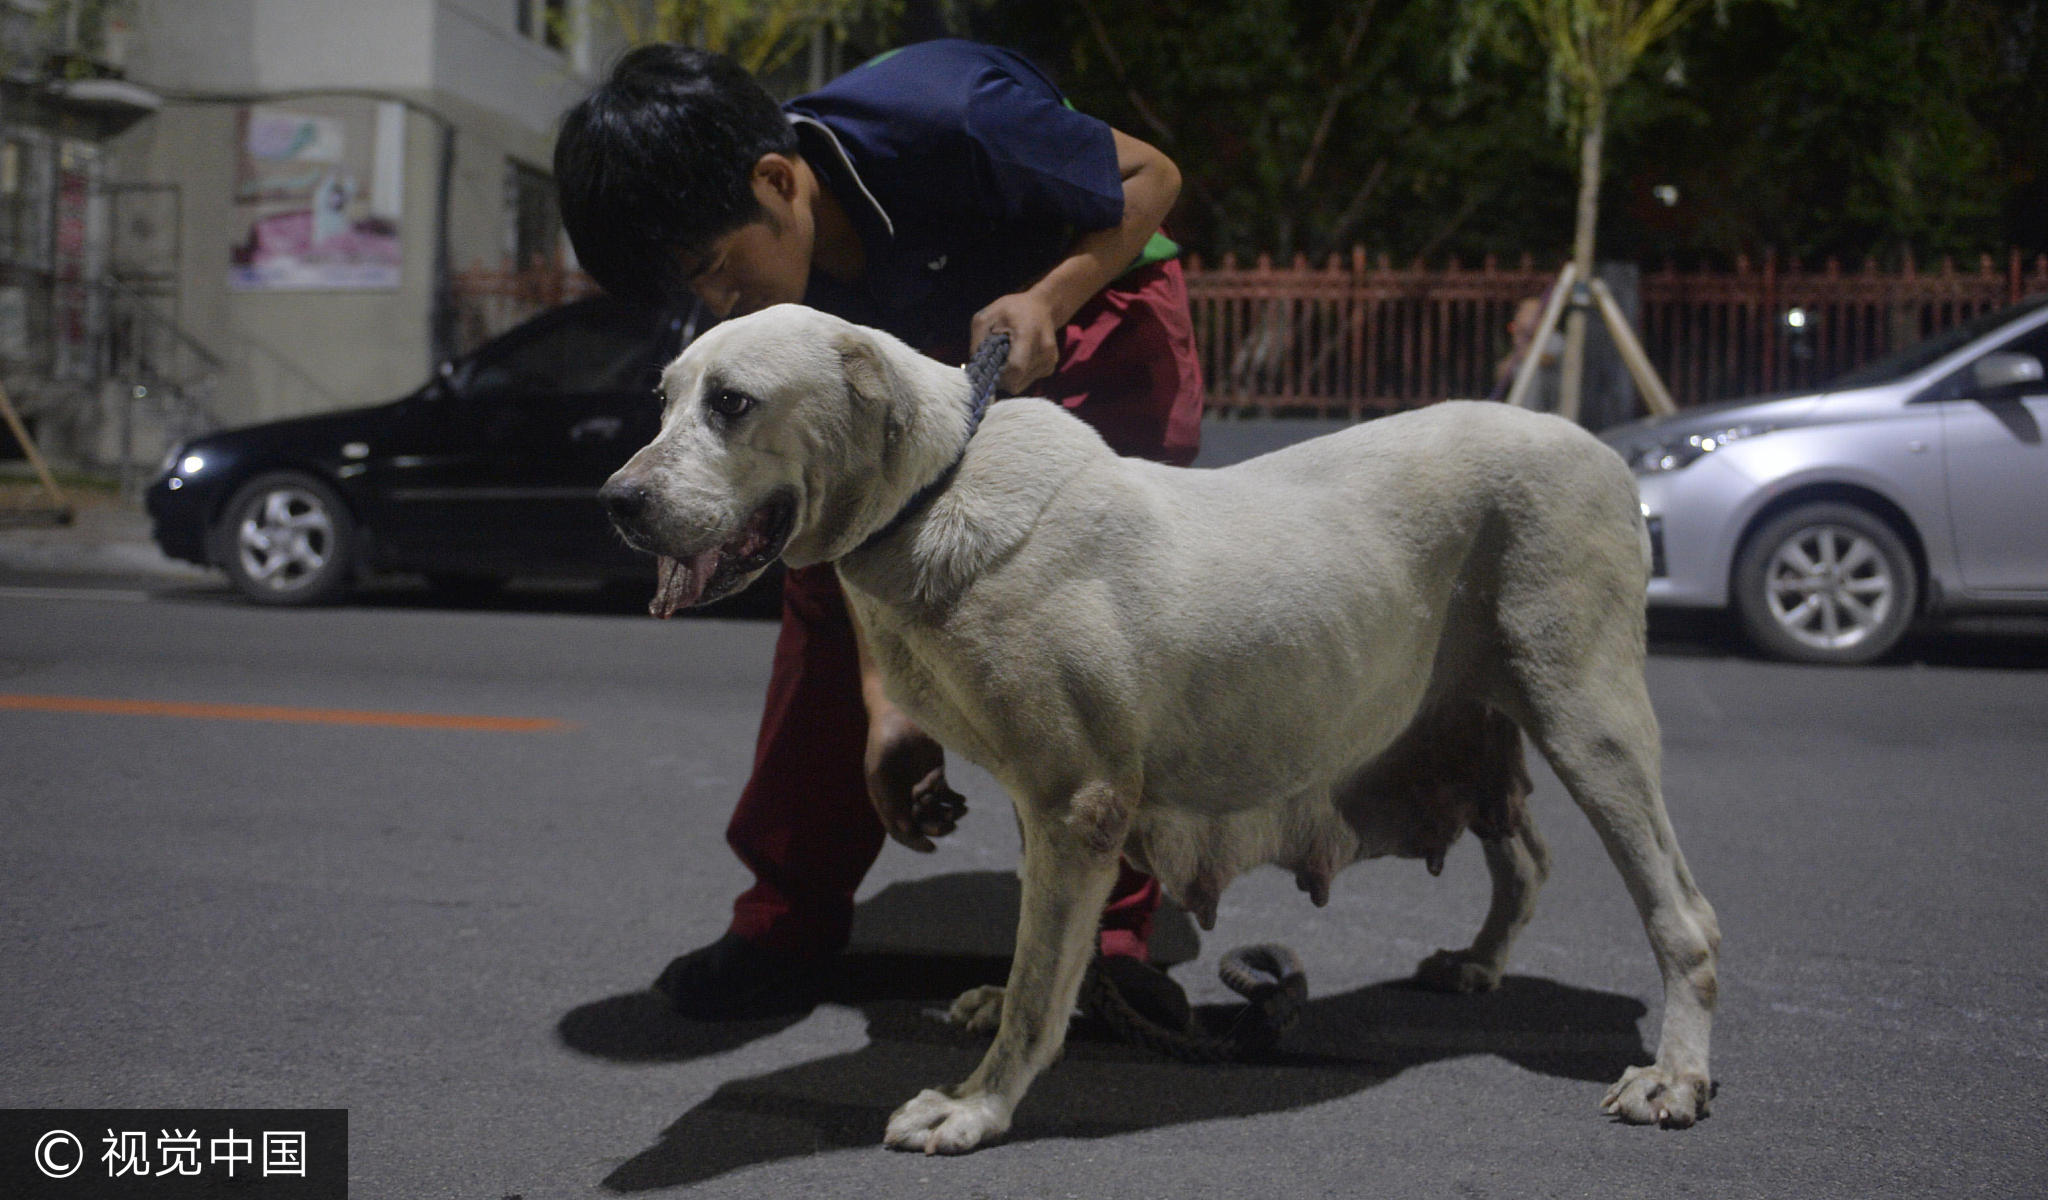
<point x="989" y="359"/>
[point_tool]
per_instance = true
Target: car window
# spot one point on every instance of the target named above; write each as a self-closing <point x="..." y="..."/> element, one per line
<point x="599" y="347"/>
<point x="1901" y="363"/>
<point x="2034" y="342"/>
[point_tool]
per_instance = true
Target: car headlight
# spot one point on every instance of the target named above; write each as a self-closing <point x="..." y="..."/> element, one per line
<point x="179" y="465"/>
<point x="1673" y="453"/>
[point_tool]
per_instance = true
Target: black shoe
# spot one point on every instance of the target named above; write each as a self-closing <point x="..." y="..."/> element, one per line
<point x="734" y="979"/>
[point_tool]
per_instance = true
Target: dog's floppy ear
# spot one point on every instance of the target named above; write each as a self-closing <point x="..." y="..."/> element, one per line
<point x="870" y="383"/>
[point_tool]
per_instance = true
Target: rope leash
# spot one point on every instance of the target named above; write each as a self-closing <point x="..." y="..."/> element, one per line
<point x="1269" y="977"/>
<point x="982" y="372"/>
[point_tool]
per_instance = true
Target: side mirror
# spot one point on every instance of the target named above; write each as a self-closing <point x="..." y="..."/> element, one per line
<point x="2004" y="374"/>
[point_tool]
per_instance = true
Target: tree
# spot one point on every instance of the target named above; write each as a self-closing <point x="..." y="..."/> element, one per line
<point x="1854" y="130"/>
<point x="1298" y="125"/>
<point x="761" y="35"/>
<point x="1590" y="49"/>
<point x="1309" y="125"/>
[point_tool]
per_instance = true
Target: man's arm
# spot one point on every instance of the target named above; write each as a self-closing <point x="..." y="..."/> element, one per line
<point x="906" y="769"/>
<point x="1034" y="317"/>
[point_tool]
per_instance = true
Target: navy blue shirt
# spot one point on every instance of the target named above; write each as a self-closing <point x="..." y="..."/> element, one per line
<point x="966" y="177"/>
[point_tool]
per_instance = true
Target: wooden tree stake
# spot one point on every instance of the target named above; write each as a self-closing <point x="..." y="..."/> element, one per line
<point x="61" y="506"/>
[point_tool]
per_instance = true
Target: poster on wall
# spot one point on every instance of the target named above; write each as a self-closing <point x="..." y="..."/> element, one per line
<point x="320" y="194"/>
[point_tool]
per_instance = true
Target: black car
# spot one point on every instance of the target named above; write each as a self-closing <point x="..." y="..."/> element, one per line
<point x="489" y="471"/>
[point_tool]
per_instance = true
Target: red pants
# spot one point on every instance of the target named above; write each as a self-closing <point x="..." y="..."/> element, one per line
<point x="804" y="824"/>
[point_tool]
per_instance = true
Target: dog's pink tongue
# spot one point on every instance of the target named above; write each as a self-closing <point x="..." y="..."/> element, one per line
<point x="680" y="583"/>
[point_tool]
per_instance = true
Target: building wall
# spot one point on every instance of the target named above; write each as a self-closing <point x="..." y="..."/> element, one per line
<point x="196" y="44"/>
<point x="383" y="44"/>
<point x="459" y="66"/>
<point x="481" y="59"/>
<point x="286" y="352"/>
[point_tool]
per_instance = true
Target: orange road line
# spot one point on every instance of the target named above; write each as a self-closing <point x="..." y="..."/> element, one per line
<point x="267" y="712"/>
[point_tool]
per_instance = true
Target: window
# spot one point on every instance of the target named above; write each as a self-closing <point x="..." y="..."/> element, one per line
<point x="26" y="200"/>
<point x="601" y="346"/>
<point x="533" y="218"/>
<point x="1922" y="354"/>
<point x="2034" y="343"/>
<point x="545" y="21"/>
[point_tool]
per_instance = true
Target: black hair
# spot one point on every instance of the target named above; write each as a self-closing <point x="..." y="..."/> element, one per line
<point x="660" y="156"/>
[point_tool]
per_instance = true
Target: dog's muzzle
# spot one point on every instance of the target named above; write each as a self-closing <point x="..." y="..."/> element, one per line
<point x="690" y="572"/>
<point x="625" y="502"/>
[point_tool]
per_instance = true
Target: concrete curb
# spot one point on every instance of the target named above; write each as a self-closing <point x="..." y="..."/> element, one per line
<point x="103" y="539"/>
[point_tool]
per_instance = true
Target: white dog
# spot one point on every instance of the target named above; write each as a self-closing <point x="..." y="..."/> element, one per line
<point x="1314" y="657"/>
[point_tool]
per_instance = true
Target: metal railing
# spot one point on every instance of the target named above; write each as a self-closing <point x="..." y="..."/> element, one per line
<point x="1765" y="328"/>
<point x="169" y="380"/>
<point x="1352" y="335"/>
<point x="1359" y="335"/>
<point x="1355" y="336"/>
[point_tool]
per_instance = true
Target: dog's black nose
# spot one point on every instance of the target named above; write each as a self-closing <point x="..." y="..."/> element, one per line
<point x="624" y="500"/>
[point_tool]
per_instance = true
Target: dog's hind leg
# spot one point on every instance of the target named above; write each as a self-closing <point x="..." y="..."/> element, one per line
<point x="1519" y="863"/>
<point x="1600" y="736"/>
<point x="1070" y="865"/>
<point x="1459" y="766"/>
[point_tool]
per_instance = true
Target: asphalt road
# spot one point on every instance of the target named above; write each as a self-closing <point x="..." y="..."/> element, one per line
<point x="446" y="929"/>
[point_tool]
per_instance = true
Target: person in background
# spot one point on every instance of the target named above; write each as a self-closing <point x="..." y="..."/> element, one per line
<point x="1521" y="332"/>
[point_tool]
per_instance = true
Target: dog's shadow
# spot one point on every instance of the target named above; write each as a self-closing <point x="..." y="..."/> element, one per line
<point x="1344" y="1044"/>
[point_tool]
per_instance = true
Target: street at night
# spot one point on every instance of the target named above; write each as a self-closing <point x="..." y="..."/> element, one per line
<point x="421" y="862"/>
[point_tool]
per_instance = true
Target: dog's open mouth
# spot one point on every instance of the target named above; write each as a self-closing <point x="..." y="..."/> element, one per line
<point x="712" y="574"/>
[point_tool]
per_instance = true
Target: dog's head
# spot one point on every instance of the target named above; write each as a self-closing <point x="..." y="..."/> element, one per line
<point x="786" y="434"/>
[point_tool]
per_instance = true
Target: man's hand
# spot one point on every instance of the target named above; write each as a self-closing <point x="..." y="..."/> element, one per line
<point x="1034" y="338"/>
<point x="1034" y="317"/>
<point x="906" y="773"/>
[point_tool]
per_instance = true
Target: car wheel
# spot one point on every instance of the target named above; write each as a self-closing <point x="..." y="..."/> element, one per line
<point x="1826" y="583"/>
<point x="287" y="539"/>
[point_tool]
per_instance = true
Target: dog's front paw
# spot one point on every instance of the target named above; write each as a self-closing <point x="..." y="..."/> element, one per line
<point x="938" y="1124"/>
<point x="1656" y="1096"/>
<point x="1458" y="971"/>
<point x="978" y="1010"/>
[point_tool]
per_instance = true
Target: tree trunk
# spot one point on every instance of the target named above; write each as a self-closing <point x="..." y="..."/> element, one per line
<point x="1572" y="372"/>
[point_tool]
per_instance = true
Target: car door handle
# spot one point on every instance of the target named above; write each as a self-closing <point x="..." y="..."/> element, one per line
<point x="595" y="429"/>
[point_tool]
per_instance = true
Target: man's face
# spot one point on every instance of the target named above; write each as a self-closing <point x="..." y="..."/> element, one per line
<point x="759" y="264"/>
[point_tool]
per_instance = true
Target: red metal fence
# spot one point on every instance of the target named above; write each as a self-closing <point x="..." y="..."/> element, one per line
<point x="1351" y="335"/>
<point x="1762" y="329"/>
<point x="1355" y="336"/>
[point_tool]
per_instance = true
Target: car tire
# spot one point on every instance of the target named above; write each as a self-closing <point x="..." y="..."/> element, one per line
<point x="287" y="539"/>
<point x="1826" y="583"/>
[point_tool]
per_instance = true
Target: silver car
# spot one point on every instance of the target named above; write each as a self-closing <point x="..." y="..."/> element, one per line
<point x="1915" y="487"/>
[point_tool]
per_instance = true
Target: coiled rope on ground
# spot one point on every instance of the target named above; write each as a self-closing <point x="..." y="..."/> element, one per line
<point x="1268" y="976"/>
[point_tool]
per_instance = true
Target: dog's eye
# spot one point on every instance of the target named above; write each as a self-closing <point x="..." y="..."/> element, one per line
<point x="728" y="403"/>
